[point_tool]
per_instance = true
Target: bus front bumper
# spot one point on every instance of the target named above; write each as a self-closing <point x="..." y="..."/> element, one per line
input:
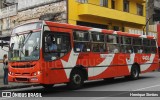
<point x="28" y="79"/>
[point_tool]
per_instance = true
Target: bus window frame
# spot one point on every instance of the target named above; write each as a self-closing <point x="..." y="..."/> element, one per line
<point x="155" y="46"/>
<point x="89" y="41"/>
<point x="117" y="44"/>
<point x="97" y="42"/>
<point x="121" y="44"/>
<point x="43" y="42"/>
<point x="145" y="46"/>
<point x="137" y="45"/>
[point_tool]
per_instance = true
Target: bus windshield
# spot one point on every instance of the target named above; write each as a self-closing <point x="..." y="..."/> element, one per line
<point x="25" y="47"/>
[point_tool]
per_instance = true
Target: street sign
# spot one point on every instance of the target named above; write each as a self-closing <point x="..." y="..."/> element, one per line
<point x="8" y="11"/>
<point x="156" y="17"/>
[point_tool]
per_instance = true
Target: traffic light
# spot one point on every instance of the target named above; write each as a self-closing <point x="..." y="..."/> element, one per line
<point x="156" y="17"/>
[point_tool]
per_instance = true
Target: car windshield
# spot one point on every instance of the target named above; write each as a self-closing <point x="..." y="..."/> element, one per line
<point x="25" y="47"/>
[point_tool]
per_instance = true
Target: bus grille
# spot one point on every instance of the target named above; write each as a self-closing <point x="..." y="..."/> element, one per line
<point x="22" y="79"/>
<point x="23" y="66"/>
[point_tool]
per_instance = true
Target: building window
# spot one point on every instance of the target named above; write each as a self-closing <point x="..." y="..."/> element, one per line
<point x="116" y="28"/>
<point x="82" y="1"/>
<point x="126" y="5"/>
<point x="104" y="3"/>
<point x="95" y="25"/>
<point x="140" y="9"/>
<point x="113" y="4"/>
<point x="123" y="29"/>
<point x="0" y="26"/>
<point x="8" y="23"/>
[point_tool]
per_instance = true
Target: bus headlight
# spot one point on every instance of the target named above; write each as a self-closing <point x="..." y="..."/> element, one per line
<point x="34" y="73"/>
<point x="38" y="72"/>
<point x="11" y="73"/>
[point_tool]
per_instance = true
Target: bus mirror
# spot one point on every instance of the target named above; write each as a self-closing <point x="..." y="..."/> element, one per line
<point x="2" y="44"/>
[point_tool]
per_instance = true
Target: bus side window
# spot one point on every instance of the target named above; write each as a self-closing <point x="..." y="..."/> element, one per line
<point x="81" y="41"/>
<point x="57" y="44"/>
<point x="153" y="46"/>
<point x="126" y="45"/>
<point x="113" y="43"/>
<point x="98" y="42"/>
<point x="137" y="45"/>
<point x="146" y="45"/>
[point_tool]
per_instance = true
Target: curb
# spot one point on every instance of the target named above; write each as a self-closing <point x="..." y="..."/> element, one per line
<point x="20" y="86"/>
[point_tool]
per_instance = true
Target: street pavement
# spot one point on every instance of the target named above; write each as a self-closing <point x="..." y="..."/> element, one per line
<point x="149" y="82"/>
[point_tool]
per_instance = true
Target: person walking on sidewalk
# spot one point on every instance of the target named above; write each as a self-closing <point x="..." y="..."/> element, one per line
<point x="5" y="67"/>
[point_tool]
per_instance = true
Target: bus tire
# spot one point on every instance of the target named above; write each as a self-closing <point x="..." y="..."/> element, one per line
<point x="134" y="72"/>
<point x="76" y="79"/>
<point x="48" y="86"/>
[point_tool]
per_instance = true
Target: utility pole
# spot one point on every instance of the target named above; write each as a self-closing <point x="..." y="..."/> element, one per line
<point x="1" y="5"/>
<point x="147" y="17"/>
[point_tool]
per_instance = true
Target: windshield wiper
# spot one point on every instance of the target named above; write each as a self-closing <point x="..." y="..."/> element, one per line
<point x="26" y="38"/>
<point x="25" y="41"/>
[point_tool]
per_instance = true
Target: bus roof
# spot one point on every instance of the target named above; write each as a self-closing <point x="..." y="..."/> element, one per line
<point x="85" y="28"/>
<point x="65" y="25"/>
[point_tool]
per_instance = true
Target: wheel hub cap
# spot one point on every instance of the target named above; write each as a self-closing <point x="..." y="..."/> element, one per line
<point x="77" y="79"/>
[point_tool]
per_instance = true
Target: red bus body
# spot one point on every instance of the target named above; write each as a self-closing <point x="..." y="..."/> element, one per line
<point x="98" y="65"/>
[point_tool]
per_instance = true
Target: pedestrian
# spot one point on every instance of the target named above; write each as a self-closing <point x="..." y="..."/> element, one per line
<point x="5" y="67"/>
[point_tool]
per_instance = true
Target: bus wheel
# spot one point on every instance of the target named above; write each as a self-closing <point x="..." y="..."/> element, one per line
<point x="134" y="72"/>
<point x="76" y="80"/>
<point x="47" y="86"/>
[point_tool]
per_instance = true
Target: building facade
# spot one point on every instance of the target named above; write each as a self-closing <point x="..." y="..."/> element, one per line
<point x="153" y="8"/>
<point x="110" y="14"/>
<point x="119" y="15"/>
<point x="33" y="10"/>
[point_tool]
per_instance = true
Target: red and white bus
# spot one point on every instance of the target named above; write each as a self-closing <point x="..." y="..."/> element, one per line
<point x="50" y="53"/>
